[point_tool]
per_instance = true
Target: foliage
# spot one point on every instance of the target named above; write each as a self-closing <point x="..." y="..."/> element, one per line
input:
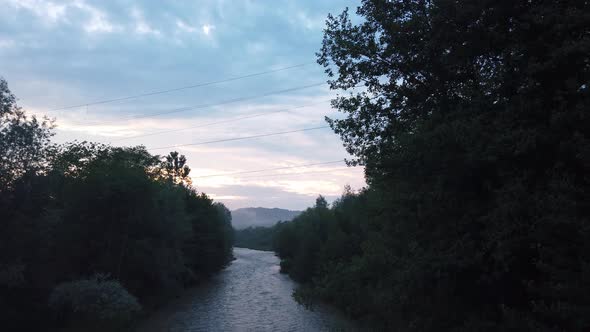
<point x="79" y="209"/>
<point x="257" y="238"/>
<point x="473" y="129"/>
<point x="23" y="140"/>
<point x="174" y="169"/>
<point x="95" y="301"/>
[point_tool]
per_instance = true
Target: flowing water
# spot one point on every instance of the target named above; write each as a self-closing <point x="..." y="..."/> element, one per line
<point x="250" y="295"/>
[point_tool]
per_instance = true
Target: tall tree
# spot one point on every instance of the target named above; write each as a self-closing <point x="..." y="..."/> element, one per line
<point x="23" y="139"/>
<point x="175" y="169"/>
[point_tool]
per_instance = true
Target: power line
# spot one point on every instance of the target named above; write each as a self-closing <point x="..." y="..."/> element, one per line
<point x="189" y="108"/>
<point x="269" y="169"/>
<point x="239" y="138"/>
<point x="152" y="93"/>
<point x="220" y="122"/>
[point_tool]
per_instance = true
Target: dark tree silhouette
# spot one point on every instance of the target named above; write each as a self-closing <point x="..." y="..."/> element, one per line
<point x="175" y="169"/>
<point x="24" y="140"/>
<point x="90" y="233"/>
<point x="473" y="129"/>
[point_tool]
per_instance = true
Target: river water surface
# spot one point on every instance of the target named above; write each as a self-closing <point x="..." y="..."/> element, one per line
<point x="249" y="295"/>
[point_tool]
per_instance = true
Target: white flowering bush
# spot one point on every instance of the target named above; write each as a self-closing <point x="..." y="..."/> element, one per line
<point x="95" y="300"/>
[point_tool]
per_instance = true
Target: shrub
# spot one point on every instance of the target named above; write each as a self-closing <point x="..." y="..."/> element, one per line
<point x="94" y="301"/>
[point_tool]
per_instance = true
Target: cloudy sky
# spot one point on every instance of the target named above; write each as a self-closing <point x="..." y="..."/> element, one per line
<point x="56" y="54"/>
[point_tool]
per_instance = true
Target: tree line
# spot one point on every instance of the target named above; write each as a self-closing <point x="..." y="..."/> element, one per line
<point x="257" y="238"/>
<point x="473" y="130"/>
<point x="92" y="234"/>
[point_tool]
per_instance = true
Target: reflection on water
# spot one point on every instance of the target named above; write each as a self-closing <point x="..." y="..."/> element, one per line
<point x="250" y="295"/>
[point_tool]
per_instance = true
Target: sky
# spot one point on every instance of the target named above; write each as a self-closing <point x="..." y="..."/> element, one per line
<point x="258" y="56"/>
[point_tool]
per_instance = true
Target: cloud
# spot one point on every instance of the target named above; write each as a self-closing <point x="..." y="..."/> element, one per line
<point x="207" y="28"/>
<point x="97" y="21"/>
<point x="185" y="27"/>
<point x="52" y="13"/>
<point x="142" y="27"/>
<point x="227" y="197"/>
<point x="256" y="47"/>
<point x="266" y="196"/>
<point x="57" y="54"/>
<point x="6" y="43"/>
<point x="308" y="22"/>
<point x="48" y="11"/>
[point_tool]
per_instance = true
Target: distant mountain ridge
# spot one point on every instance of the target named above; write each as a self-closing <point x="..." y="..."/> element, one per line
<point x="259" y="216"/>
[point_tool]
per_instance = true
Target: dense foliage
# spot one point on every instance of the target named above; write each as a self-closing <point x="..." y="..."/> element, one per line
<point x="257" y="238"/>
<point x="70" y="212"/>
<point x="104" y="303"/>
<point x="474" y="132"/>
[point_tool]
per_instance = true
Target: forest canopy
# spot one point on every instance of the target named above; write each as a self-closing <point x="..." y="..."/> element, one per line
<point x="473" y="130"/>
<point x="92" y="233"/>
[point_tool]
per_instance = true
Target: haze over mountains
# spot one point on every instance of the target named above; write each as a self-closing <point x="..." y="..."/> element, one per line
<point x="258" y="216"/>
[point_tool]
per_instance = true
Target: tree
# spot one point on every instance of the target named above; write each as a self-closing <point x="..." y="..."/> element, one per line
<point x="425" y="62"/>
<point x="24" y="140"/>
<point x="321" y="202"/>
<point x="71" y="211"/>
<point x="24" y="146"/>
<point x="473" y="131"/>
<point x="175" y="170"/>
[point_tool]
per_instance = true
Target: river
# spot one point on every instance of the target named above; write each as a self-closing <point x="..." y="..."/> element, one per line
<point x="249" y="295"/>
